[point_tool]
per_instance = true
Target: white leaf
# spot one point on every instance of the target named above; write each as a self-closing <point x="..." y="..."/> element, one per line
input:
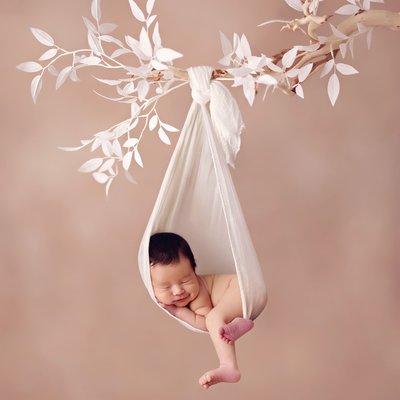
<point x="249" y="89"/>
<point x="165" y="54"/>
<point x="119" y="52"/>
<point x="346" y="69"/>
<point x="289" y="58"/>
<point x="333" y="88"/>
<point x="343" y="49"/>
<point x="111" y="39"/>
<point x="131" y="142"/>
<point x="138" y="158"/>
<point x="36" y="86"/>
<point x="91" y="165"/>
<point x="337" y="33"/>
<point x="29" y="66"/>
<point x="100" y="177"/>
<point x="135" y="110"/>
<point x="94" y="42"/>
<point x="145" y="44"/>
<point x="126" y="162"/>
<point x="245" y="46"/>
<point x="226" y="45"/>
<point x="107" y="165"/>
<point x="327" y="68"/>
<point x="225" y="61"/>
<point x="267" y="80"/>
<point x="158" y="66"/>
<point x="89" y="25"/>
<point x="347" y="10"/>
<point x="299" y="91"/>
<point x="295" y="4"/>
<point x="292" y="73"/>
<point x="107" y="28"/>
<point x="62" y="76"/>
<point x="48" y="54"/>
<point x="52" y="70"/>
<point x="156" y="37"/>
<point x="149" y="6"/>
<point x="106" y="147"/>
<point x="150" y="20"/>
<point x="239" y="72"/>
<point x="91" y="60"/>
<point x="163" y="136"/>
<point x="111" y="82"/>
<point x="366" y="5"/>
<point x="42" y="37"/>
<point x="143" y="89"/>
<point x="369" y="38"/>
<point x="135" y="46"/>
<point x="168" y="127"/>
<point x="136" y="11"/>
<point x="96" y="11"/>
<point x="153" y="122"/>
<point x="116" y="148"/>
<point x="304" y="72"/>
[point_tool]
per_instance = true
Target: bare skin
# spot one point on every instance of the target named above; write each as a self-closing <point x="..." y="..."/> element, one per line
<point x="209" y="302"/>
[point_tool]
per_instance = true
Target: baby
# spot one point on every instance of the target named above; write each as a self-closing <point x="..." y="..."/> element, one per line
<point x="208" y="302"/>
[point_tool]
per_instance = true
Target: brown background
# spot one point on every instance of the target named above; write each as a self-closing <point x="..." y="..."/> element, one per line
<point x="319" y="186"/>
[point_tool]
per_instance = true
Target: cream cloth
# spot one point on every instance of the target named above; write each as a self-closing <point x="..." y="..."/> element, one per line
<point x="197" y="198"/>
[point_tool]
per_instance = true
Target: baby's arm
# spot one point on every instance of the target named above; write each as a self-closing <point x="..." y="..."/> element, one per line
<point x="187" y="315"/>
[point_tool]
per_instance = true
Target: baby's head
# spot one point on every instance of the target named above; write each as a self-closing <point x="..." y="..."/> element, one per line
<point x="172" y="266"/>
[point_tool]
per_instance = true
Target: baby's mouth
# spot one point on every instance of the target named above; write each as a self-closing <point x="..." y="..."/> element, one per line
<point x="180" y="298"/>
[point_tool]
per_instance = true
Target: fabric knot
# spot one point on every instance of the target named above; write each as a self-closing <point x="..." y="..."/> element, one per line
<point x="200" y="81"/>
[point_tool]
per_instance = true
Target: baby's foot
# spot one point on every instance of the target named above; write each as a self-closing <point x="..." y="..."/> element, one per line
<point x="224" y="373"/>
<point x="236" y="328"/>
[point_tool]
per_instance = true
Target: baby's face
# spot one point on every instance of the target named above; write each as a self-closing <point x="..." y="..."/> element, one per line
<point x="175" y="284"/>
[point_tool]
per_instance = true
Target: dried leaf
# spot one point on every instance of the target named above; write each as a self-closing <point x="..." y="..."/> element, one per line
<point x="168" y="127"/>
<point x="158" y="66"/>
<point x="108" y="164"/>
<point x="48" y="54"/>
<point x="52" y="70"/>
<point x="94" y="42"/>
<point x="111" y="39"/>
<point x="116" y="148"/>
<point x="163" y="136"/>
<point x="343" y="49"/>
<point x="165" y="54"/>
<point x="348" y="9"/>
<point x="42" y="37"/>
<point x="346" y="69"/>
<point x="299" y="91"/>
<point x="304" y="72"/>
<point x="333" y="88"/>
<point x="150" y="21"/>
<point x="143" y="88"/>
<point x="289" y="57"/>
<point x="145" y="44"/>
<point x="62" y="76"/>
<point x="110" y="82"/>
<point x="107" y="28"/>
<point x="226" y="45"/>
<point x="245" y="46"/>
<point x="327" y="68"/>
<point x="91" y="60"/>
<point x="29" y="66"/>
<point x="156" y="37"/>
<point x="136" y="11"/>
<point x="149" y="6"/>
<point x="295" y="4"/>
<point x="91" y="165"/>
<point x="106" y="147"/>
<point x="89" y="25"/>
<point x="119" y="52"/>
<point x="153" y="122"/>
<point x="96" y="11"/>
<point x="138" y="158"/>
<point x="131" y="142"/>
<point x="267" y="80"/>
<point x="100" y="177"/>
<point x="249" y="89"/>
<point x="36" y="86"/>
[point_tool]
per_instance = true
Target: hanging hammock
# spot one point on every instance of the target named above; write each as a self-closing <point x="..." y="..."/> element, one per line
<point x="197" y="199"/>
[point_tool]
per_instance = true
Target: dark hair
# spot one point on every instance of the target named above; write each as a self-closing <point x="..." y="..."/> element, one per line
<point x="167" y="247"/>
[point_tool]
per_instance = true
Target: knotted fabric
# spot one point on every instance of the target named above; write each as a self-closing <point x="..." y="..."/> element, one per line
<point x="198" y="200"/>
<point x="225" y="113"/>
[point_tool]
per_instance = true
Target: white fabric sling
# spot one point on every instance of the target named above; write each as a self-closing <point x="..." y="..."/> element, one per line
<point x="197" y="198"/>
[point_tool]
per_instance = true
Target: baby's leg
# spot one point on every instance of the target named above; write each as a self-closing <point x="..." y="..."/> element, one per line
<point x="228" y="308"/>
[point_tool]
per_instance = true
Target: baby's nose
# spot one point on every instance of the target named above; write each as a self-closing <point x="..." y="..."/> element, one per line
<point x="177" y="290"/>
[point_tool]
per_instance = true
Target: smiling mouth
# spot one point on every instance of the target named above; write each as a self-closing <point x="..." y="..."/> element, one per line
<point x="182" y="298"/>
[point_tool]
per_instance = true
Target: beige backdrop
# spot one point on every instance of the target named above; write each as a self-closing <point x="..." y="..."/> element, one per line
<point x="320" y="188"/>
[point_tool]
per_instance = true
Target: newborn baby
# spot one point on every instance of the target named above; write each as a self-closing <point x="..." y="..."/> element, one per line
<point x="208" y="302"/>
